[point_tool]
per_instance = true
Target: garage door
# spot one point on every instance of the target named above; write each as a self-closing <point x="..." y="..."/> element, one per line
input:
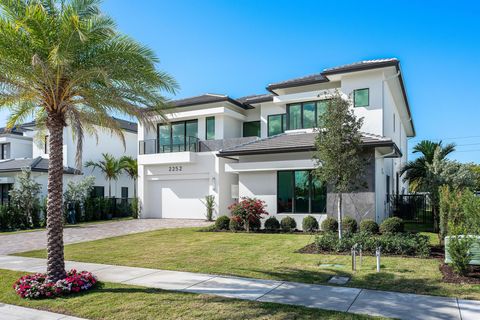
<point x="181" y="198"/>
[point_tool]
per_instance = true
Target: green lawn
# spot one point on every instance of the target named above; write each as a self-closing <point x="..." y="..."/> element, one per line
<point x="78" y="225"/>
<point x="116" y="302"/>
<point x="269" y="256"/>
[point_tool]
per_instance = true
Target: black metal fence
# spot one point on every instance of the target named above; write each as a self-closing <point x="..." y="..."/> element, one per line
<point x="99" y="208"/>
<point x="413" y="208"/>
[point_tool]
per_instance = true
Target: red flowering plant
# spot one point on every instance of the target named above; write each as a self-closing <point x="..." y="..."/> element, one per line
<point x="248" y="210"/>
<point x="35" y="286"/>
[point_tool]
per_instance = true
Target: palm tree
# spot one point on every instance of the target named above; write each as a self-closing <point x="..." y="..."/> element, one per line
<point x="109" y="166"/>
<point x="416" y="172"/>
<point x="63" y="62"/>
<point x="130" y="166"/>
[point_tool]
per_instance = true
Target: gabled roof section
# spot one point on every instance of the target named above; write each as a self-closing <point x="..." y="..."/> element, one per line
<point x="298" y="82"/>
<point x="38" y="164"/>
<point x="296" y="142"/>
<point x="124" y="124"/>
<point x="206" y="99"/>
<point x="362" y="65"/>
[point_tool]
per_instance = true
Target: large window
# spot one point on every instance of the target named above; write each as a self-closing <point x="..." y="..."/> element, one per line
<point x="361" y="97"/>
<point x="98" y="192"/>
<point x="178" y="136"/>
<point x="300" y="192"/>
<point x="4" y="152"/>
<point x="210" y="128"/>
<point x="251" y="129"/>
<point x="276" y="124"/>
<point x="305" y="115"/>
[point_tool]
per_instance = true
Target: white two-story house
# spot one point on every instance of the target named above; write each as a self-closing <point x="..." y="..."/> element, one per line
<point x="27" y="147"/>
<point x="261" y="146"/>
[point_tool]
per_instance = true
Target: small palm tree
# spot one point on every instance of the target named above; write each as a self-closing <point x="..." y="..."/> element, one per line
<point x="417" y="172"/>
<point x="109" y="166"/>
<point x="64" y="63"/>
<point x="130" y="166"/>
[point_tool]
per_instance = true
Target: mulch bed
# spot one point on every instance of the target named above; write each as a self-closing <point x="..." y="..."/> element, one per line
<point x="472" y="277"/>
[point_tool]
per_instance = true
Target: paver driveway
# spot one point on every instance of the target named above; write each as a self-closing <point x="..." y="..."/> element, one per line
<point x="35" y="240"/>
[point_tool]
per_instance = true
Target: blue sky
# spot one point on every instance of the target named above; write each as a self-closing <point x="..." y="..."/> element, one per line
<point x="238" y="47"/>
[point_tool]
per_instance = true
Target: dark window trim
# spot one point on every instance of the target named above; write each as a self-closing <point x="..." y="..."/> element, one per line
<point x="301" y="113"/>
<point x="368" y="96"/>
<point x="185" y="142"/>
<point x="283" y="118"/>
<point x="310" y="176"/>
<point x="3" y="156"/>
<point x="256" y="121"/>
<point x="206" y="127"/>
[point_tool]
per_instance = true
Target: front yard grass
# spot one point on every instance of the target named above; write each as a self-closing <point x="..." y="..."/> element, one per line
<point x="268" y="256"/>
<point x="117" y="302"/>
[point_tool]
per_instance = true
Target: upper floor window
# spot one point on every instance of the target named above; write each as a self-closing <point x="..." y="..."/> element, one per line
<point x="276" y="124"/>
<point x="251" y="129"/>
<point x="305" y="115"/>
<point x="5" y="151"/>
<point x="178" y="136"/>
<point x="361" y="97"/>
<point x="210" y="128"/>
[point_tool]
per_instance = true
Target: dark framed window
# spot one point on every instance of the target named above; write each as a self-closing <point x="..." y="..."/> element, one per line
<point x="124" y="192"/>
<point x="387" y="181"/>
<point x="178" y="136"/>
<point x="276" y="124"/>
<point x="98" y="192"/>
<point x="305" y="115"/>
<point x="47" y="145"/>
<point x="4" y="196"/>
<point x="300" y="191"/>
<point x="251" y="129"/>
<point x="210" y="128"/>
<point x="4" y="151"/>
<point x="361" y="97"/>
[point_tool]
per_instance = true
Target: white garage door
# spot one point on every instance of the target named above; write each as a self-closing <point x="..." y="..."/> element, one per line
<point x="182" y="198"/>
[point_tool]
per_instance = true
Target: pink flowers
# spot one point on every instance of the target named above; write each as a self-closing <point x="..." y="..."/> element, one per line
<point x="35" y="286"/>
<point x="248" y="210"/>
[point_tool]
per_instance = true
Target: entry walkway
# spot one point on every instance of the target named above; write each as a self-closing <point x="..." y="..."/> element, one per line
<point x="362" y="301"/>
<point x="11" y="312"/>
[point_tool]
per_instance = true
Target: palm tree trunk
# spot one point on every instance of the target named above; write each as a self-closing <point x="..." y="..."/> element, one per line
<point x="56" y="260"/>
<point x="109" y="188"/>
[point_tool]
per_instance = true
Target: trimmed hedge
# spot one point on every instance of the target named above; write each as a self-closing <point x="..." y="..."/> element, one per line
<point x="369" y="226"/>
<point x="410" y="244"/>
<point x="288" y="224"/>
<point x="222" y="223"/>
<point x="392" y="225"/>
<point x="272" y="224"/>
<point x="349" y="225"/>
<point x="255" y="224"/>
<point x="330" y="225"/>
<point x="309" y="224"/>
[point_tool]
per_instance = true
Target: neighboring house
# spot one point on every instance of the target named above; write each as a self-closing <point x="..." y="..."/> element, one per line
<point x="261" y="146"/>
<point x="26" y="147"/>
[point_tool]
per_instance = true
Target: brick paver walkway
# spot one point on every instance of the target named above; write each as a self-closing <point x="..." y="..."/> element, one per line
<point x="26" y="241"/>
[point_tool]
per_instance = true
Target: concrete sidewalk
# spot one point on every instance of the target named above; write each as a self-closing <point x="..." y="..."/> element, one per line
<point x="362" y="301"/>
<point x="11" y="312"/>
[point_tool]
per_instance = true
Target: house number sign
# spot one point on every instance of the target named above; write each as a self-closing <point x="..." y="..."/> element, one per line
<point x="174" y="168"/>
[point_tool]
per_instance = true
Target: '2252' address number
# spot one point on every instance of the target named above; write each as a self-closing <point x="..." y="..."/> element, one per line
<point x="174" y="168"/>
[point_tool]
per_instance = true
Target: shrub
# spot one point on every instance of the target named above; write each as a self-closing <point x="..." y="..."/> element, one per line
<point x="369" y="226"/>
<point x="235" y="224"/>
<point x="288" y="224"/>
<point x="37" y="285"/>
<point x="349" y="225"/>
<point x="222" y="223"/>
<point x="394" y="244"/>
<point x="330" y="225"/>
<point x="459" y="249"/>
<point x="309" y="224"/>
<point x="392" y="225"/>
<point x="272" y="224"/>
<point x="210" y="206"/>
<point x="255" y="224"/>
<point x="135" y="207"/>
<point x="247" y="210"/>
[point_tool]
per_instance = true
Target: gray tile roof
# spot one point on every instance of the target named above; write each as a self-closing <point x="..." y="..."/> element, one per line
<point x="293" y="142"/>
<point x="205" y="99"/>
<point x="38" y="164"/>
<point x="15" y="130"/>
<point x="257" y="98"/>
<point x="124" y="124"/>
<point x="321" y="77"/>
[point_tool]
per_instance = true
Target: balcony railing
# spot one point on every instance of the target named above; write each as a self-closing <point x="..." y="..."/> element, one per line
<point x="152" y="146"/>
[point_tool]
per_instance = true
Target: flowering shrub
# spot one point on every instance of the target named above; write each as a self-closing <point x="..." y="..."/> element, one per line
<point x="35" y="286"/>
<point x="248" y="210"/>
